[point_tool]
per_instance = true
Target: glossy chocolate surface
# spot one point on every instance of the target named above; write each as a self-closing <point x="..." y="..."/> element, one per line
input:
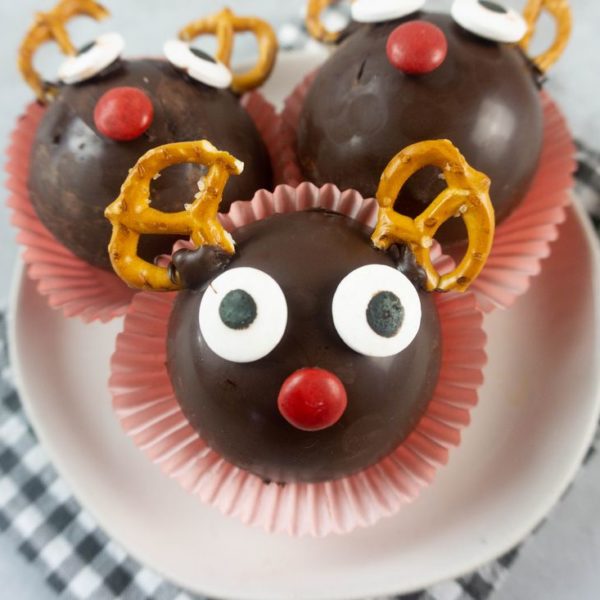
<point x="234" y="406"/>
<point x="361" y="111"/>
<point x="76" y="172"/>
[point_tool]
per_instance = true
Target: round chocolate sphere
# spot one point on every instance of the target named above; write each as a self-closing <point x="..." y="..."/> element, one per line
<point x="94" y="132"/>
<point x="254" y="413"/>
<point x="362" y="109"/>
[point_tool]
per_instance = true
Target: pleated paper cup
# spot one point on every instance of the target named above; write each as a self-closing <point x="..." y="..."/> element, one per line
<point x="525" y="238"/>
<point x="146" y="406"/>
<point x="69" y="283"/>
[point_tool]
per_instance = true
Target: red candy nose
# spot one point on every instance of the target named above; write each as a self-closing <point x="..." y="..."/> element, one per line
<point x="417" y="47"/>
<point x="123" y="114"/>
<point x="312" y="399"/>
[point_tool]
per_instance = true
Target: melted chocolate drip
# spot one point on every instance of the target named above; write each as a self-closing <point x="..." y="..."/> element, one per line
<point x="195" y="267"/>
<point x="406" y="262"/>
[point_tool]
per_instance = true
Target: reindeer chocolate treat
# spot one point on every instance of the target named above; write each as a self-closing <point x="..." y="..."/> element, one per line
<point x="308" y="348"/>
<point x="104" y="112"/>
<point x="402" y="75"/>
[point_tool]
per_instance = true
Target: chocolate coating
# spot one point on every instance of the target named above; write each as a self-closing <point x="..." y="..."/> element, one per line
<point x="361" y="111"/>
<point x="76" y="172"/>
<point x="196" y="267"/>
<point x="234" y="406"/>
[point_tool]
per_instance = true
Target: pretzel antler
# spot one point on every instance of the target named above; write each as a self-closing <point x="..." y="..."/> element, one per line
<point x="50" y="26"/>
<point x="225" y="25"/>
<point x="315" y="25"/>
<point x="466" y="196"/>
<point x="561" y="12"/>
<point x="131" y="215"/>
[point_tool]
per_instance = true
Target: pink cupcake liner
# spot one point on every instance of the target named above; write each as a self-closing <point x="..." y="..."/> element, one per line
<point x="524" y="239"/>
<point x="69" y="283"/>
<point x="149" y="413"/>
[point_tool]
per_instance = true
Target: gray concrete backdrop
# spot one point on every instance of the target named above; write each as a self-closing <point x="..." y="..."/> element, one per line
<point x="562" y="563"/>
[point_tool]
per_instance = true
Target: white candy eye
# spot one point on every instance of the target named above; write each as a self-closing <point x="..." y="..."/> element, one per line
<point x="490" y="20"/>
<point x="377" y="11"/>
<point x="376" y="310"/>
<point x="212" y="73"/>
<point x="92" y="60"/>
<point x="243" y="315"/>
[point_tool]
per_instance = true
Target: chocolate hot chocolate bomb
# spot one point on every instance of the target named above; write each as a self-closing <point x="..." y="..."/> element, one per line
<point x="303" y="349"/>
<point x="234" y="406"/>
<point x="484" y="97"/>
<point x="76" y="171"/>
<point x="105" y="112"/>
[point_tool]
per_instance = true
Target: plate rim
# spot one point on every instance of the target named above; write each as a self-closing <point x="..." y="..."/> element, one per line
<point x="484" y="557"/>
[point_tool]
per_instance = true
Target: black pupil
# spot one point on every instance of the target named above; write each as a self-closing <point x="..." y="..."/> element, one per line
<point x="237" y="309"/>
<point x="385" y="314"/>
<point x="497" y="8"/>
<point x="85" y="48"/>
<point x="202" y="54"/>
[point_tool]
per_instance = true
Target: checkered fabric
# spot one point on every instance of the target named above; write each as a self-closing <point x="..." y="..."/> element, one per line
<point x="79" y="561"/>
<point x="50" y="528"/>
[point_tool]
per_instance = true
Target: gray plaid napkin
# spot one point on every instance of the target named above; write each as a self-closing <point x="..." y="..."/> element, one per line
<point x="51" y="530"/>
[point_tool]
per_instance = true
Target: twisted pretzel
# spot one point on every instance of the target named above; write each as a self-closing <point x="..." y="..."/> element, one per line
<point x="50" y="26"/>
<point x="225" y="25"/>
<point x="561" y="11"/>
<point x="131" y="215"/>
<point x="466" y="196"/>
<point x="315" y="25"/>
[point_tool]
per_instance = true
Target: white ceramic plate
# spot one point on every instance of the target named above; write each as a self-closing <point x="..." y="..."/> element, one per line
<point x="538" y="411"/>
<point x="536" y="417"/>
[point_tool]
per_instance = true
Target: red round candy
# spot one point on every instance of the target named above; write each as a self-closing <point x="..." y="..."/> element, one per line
<point x="123" y="114"/>
<point x="312" y="399"/>
<point x="417" y="47"/>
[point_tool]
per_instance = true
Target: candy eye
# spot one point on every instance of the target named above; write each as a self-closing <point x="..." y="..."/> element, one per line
<point x="197" y="65"/>
<point x="377" y="11"/>
<point x="376" y="310"/>
<point x="489" y="20"/>
<point x="243" y="315"/>
<point x="93" y="59"/>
